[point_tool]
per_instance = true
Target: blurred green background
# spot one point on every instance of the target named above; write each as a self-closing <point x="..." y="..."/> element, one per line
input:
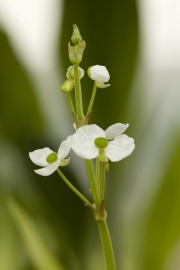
<point x="44" y="225"/>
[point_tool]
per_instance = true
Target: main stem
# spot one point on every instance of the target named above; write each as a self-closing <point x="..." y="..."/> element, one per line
<point x="102" y="225"/>
<point x="106" y="245"/>
<point x="79" y="104"/>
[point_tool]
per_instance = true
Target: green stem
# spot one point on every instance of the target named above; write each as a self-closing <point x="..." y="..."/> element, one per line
<point x="73" y="188"/>
<point x="78" y="94"/>
<point x="70" y="103"/>
<point x="98" y="172"/>
<point x="103" y="174"/>
<point x="106" y="245"/>
<point x="92" y="99"/>
<point x="92" y="180"/>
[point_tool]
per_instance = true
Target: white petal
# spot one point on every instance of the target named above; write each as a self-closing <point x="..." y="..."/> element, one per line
<point x="99" y="73"/>
<point x="115" y="130"/>
<point x="39" y="156"/>
<point x="82" y="72"/>
<point x="121" y="147"/>
<point x="64" y="149"/>
<point x="83" y="147"/>
<point x="90" y="132"/>
<point x="49" y="169"/>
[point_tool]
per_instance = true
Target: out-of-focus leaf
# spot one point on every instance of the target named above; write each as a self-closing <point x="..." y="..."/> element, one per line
<point x="110" y="31"/>
<point x="39" y="253"/>
<point x="8" y="245"/>
<point x="19" y="115"/>
<point x="163" y="226"/>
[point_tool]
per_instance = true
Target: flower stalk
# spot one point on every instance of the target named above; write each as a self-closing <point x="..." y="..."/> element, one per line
<point x="103" y="175"/>
<point x="92" y="99"/>
<point x="82" y="197"/>
<point x="70" y="103"/>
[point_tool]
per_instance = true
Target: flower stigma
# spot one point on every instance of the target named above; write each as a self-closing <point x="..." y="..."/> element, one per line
<point x="51" y="158"/>
<point x="101" y="142"/>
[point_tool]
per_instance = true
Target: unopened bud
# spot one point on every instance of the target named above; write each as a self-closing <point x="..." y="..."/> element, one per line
<point x="100" y="75"/>
<point x="76" y="52"/>
<point x="67" y="86"/>
<point x="70" y="73"/>
<point x="76" y="36"/>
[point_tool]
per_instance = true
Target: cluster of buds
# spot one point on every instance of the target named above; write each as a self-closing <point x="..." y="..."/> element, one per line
<point x="76" y="51"/>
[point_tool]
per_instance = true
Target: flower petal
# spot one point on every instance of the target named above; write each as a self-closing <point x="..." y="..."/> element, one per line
<point x="115" y="130"/>
<point x="39" y="156"/>
<point x="121" y="147"/>
<point x="64" y="149"/>
<point x="90" y="132"/>
<point x="49" y="169"/>
<point x="83" y="147"/>
<point x="99" y="73"/>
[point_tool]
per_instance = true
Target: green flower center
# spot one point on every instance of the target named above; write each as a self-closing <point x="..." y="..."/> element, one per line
<point x="51" y="158"/>
<point x="100" y="142"/>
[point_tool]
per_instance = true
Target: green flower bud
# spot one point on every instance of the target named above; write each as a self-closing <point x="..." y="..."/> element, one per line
<point x="76" y="52"/>
<point x="67" y="86"/>
<point x="51" y="158"/>
<point x="76" y="36"/>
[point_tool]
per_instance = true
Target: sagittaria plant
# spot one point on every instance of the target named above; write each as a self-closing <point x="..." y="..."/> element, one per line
<point x="88" y="142"/>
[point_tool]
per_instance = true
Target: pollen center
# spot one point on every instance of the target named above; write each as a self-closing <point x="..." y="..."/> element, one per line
<point x="51" y="157"/>
<point x="100" y="142"/>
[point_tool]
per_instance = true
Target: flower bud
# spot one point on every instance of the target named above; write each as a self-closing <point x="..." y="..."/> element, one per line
<point x="98" y="74"/>
<point x="76" y="52"/>
<point x="70" y="73"/>
<point x="76" y="36"/>
<point x="67" y="86"/>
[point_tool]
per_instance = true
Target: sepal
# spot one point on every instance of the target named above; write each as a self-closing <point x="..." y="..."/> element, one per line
<point x="64" y="162"/>
<point x="102" y="85"/>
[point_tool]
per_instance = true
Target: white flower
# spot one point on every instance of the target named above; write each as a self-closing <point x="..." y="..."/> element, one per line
<point x="70" y="73"/>
<point x="91" y="141"/>
<point x="50" y="160"/>
<point x="100" y="75"/>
